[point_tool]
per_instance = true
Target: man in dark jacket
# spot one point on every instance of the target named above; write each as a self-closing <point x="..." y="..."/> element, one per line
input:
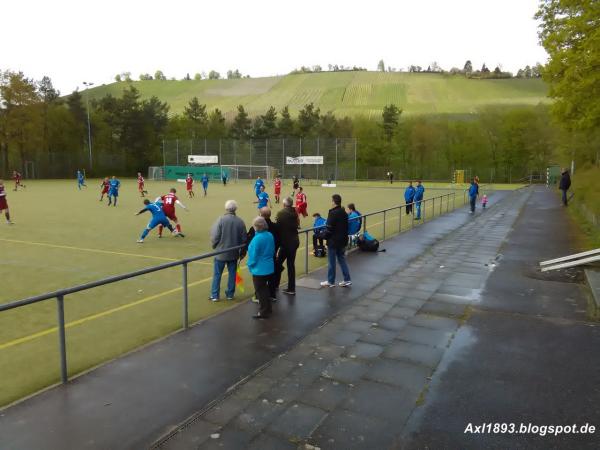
<point x="565" y="184"/>
<point x="337" y="240"/>
<point x="288" y="223"/>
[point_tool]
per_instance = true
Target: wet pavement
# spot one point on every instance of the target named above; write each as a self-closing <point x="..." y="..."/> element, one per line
<point x="133" y="401"/>
<point x="468" y="332"/>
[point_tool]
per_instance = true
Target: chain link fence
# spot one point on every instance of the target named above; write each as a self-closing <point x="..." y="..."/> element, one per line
<point x="339" y="155"/>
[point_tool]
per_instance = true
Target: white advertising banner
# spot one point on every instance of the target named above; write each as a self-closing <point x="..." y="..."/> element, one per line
<point x="304" y="160"/>
<point x="203" y="159"/>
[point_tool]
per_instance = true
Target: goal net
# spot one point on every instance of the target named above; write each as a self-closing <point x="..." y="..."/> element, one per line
<point x="156" y="173"/>
<point x="249" y="172"/>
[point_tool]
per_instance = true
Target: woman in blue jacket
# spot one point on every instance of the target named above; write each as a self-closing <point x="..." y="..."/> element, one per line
<point x="261" y="265"/>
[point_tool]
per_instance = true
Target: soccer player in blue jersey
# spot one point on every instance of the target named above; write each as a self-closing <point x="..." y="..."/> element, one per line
<point x="263" y="198"/>
<point x="204" y="180"/>
<point x="158" y="218"/>
<point x="257" y="185"/>
<point x="113" y="191"/>
<point x="80" y="180"/>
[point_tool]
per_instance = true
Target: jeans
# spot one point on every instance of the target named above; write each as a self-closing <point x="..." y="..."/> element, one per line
<point x="261" y="288"/>
<point x="472" y="200"/>
<point x="418" y="209"/>
<point x="286" y="254"/>
<point x="334" y="253"/>
<point x="219" y="266"/>
<point x="564" y="197"/>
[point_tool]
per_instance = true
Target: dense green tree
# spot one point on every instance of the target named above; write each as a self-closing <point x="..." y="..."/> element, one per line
<point x="241" y="126"/>
<point x="308" y="120"/>
<point x="214" y="75"/>
<point x="391" y="117"/>
<point x="197" y="118"/>
<point x="217" y="127"/>
<point x="570" y="33"/>
<point x="381" y="66"/>
<point x="286" y="123"/>
<point x="159" y="75"/>
<point x="145" y="77"/>
<point x="468" y="67"/>
<point x="269" y="122"/>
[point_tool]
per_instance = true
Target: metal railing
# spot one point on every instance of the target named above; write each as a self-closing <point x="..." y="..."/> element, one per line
<point x="60" y="294"/>
<point x="423" y="204"/>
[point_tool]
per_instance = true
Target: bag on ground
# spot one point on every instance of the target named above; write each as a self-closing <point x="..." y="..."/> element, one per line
<point x="367" y="243"/>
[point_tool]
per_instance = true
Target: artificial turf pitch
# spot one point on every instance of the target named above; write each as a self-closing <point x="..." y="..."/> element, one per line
<point x="63" y="237"/>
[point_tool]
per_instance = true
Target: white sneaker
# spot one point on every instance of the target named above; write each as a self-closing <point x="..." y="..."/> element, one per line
<point x="345" y="283"/>
<point x="327" y="284"/>
<point x="140" y="241"/>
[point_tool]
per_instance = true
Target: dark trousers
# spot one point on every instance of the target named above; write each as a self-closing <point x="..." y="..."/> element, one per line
<point x="472" y="200"/>
<point x="317" y="240"/>
<point x="286" y="254"/>
<point x="409" y="208"/>
<point x="564" y="197"/>
<point x="261" y="287"/>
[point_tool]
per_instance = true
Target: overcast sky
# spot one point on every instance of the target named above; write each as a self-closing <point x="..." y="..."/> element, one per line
<point x="92" y="40"/>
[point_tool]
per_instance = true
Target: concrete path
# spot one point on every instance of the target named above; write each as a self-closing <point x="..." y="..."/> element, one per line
<point x="133" y="401"/>
<point x="468" y="332"/>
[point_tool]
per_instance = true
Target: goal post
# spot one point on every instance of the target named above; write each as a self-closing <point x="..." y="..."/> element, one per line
<point x="249" y="172"/>
<point x="156" y="173"/>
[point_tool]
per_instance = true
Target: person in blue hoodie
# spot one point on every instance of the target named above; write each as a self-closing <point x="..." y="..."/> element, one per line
<point x="418" y="198"/>
<point x="261" y="264"/>
<point x="473" y="194"/>
<point x="409" y="196"/>
<point x="354" y="222"/>
<point x="318" y="233"/>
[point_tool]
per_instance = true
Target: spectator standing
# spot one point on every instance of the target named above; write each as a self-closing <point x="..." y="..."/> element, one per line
<point x="473" y="194"/>
<point x="337" y="240"/>
<point x="409" y="197"/>
<point x="564" y="185"/>
<point x="272" y="227"/>
<point x="261" y="265"/>
<point x="418" y="198"/>
<point x="288" y="223"/>
<point x="228" y="231"/>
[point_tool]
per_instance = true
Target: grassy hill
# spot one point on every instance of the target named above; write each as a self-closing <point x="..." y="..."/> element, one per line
<point x="344" y="93"/>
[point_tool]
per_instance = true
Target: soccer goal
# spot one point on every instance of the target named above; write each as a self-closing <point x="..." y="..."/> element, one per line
<point x="249" y="172"/>
<point x="156" y="173"/>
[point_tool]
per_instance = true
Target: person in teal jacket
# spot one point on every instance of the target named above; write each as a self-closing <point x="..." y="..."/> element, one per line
<point x="419" y="194"/>
<point x="261" y="265"/>
<point x="409" y="196"/>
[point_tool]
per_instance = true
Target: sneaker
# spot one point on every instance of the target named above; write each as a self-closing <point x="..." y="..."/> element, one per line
<point x="327" y="284"/>
<point x="345" y="283"/>
<point x="273" y="299"/>
<point x="288" y="292"/>
<point x="140" y="241"/>
<point x="254" y="300"/>
<point x="229" y="298"/>
<point x="213" y="299"/>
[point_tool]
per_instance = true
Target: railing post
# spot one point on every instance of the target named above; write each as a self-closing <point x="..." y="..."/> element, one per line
<point x="441" y="204"/>
<point x="424" y="210"/>
<point x="453" y="201"/>
<point x="306" y="254"/>
<point x="400" y="220"/>
<point x="414" y="206"/>
<point x="365" y="224"/>
<point x="384" y="224"/>
<point x="433" y="208"/>
<point x="186" y="321"/>
<point x="61" y="338"/>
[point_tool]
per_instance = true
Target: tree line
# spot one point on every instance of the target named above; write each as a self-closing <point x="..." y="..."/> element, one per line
<point x="505" y="142"/>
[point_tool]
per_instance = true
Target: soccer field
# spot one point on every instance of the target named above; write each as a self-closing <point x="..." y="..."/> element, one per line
<point x="62" y="237"/>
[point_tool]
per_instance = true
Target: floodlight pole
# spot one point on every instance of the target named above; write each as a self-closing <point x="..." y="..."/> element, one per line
<point x="87" y="103"/>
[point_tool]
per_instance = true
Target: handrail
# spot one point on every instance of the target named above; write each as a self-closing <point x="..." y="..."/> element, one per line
<point x="60" y="294"/>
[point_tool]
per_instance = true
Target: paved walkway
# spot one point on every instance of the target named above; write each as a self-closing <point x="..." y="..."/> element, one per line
<point x="133" y="401"/>
<point x="469" y="331"/>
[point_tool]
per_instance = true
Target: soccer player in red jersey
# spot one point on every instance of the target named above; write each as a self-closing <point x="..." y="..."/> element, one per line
<point x="168" y="205"/>
<point x="277" y="185"/>
<point x="4" y="203"/>
<point x="17" y="177"/>
<point x="189" y="185"/>
<point x="104" y="188"/>
<point x="301" y="204"/>
<point x="141" y="182"/>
